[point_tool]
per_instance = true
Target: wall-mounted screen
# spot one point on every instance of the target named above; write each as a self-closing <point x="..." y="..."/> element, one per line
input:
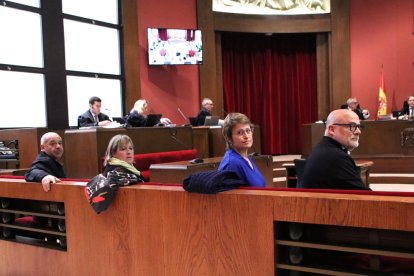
<point x="174" y="46"/>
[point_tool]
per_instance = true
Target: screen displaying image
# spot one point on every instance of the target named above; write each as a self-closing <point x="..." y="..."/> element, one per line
<point x="174" y="46"/>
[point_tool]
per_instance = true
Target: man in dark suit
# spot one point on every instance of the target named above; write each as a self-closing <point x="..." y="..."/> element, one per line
<point x="408" y="109"/>
<point x="206" y="108"/>
<point x="46" y="168"/>
<point x="352" y="104"/>
<point x="93" y="116"/>
<point x="330" y="165"/>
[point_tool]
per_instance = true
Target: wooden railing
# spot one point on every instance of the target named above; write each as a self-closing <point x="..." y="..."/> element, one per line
<point x="163" y="230"/>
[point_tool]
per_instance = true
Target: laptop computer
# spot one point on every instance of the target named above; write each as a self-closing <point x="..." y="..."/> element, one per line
<point x="212" y="120"/>
<point x="119" y="120"/>
<point x="153" y="119"/>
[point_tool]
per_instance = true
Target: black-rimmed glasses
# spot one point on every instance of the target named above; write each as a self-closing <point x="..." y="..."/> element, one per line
<point x="352" y="126"/>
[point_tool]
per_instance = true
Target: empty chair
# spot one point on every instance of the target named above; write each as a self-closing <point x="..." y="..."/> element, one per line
<point x="300" y="169"/>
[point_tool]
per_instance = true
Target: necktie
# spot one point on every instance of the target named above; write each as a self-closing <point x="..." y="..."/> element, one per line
<point x="96" y="118"/>
<point x="411" y="111"/>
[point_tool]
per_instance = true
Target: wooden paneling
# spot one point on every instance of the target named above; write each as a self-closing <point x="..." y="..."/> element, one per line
<point x="200" y="140"/>
<point x="380" y="142"/>
<point x="162" y="230"/>
<point x="131" y="57"/>
<point x="29" y="142"/>
<point x="229" y="22"/>
<point x="340" y="53"/>
<point x="333" y="51"/>
<point x="88" y="146"/>
<point x="175" y="172"/>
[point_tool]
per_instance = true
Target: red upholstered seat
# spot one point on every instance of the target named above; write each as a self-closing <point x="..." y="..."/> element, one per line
<point x="143" y="161"/>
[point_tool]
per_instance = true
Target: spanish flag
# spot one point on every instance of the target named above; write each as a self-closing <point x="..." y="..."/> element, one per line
<point x="382" y="98"/>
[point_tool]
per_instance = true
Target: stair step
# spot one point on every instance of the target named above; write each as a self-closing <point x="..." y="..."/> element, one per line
<point x="389" y="178"/>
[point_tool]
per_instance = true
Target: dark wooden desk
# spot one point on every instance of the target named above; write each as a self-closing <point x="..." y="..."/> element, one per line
<point x="175" y="172"/>
<point x="380" y="141"/>
<point x="363" y="165"/>
<point x="86" y="147"/>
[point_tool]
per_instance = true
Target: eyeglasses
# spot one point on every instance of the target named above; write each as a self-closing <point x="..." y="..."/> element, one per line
<point x="242" y="132"/>
<point x="352" y="126"/>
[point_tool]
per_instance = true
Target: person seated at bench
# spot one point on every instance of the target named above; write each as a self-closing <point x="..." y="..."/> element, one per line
<point x="330" y="165"/>
<point x="139" y="114"/>
<point x="238" y="133"/>
<point x="119" y="156"/>
<point x="46" y="168"/>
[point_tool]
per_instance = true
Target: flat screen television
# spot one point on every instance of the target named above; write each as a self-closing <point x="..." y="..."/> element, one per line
<point x="174" y="46"/>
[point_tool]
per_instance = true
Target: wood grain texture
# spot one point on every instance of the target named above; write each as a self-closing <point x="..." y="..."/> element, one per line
<point x="86" y="147"/>
<point x="29" y="142"/>
<point x="163" y="230"/>
<point x="388" y="157"/>
<point x="333" y="54"/>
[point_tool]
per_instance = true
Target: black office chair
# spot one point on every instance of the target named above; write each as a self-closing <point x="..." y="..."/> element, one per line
<point x="300" y="169"/>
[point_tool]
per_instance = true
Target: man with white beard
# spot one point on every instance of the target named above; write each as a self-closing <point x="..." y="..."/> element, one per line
<point x="330" y="165"/>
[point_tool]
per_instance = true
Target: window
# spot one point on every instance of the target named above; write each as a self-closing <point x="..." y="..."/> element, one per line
<point x="78" y="41"/>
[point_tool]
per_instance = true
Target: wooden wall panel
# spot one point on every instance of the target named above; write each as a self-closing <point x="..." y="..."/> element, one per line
<point x="163" y="230"/>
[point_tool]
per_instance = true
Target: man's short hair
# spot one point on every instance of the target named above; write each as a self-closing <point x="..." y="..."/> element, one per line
<point x="350" y="100"/>
<point x="94" y="99"/>
<point x="205" y="101"/>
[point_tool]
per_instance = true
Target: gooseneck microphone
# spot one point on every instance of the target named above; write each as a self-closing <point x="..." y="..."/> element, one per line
<point x="173" y="135"/>
<point x="185" y="117"/>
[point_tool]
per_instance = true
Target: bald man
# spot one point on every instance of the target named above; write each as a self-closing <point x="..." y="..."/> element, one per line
<point x="46" y="168"/>
<point x="330" y="165"/>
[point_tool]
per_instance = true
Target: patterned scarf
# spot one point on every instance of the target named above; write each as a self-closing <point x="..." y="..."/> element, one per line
<point x="117" y="162"/>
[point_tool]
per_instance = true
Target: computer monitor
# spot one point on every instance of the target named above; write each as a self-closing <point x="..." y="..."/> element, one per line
<point x="153" y="119"/>
<point x="119" y="120"/>
<point x="211" y="120"/>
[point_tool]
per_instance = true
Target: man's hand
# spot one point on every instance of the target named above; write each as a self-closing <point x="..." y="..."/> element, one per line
<point x="47" y="180"/>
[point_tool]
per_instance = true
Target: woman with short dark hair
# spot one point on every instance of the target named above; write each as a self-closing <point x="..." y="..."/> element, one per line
<point x="238" y="133"/>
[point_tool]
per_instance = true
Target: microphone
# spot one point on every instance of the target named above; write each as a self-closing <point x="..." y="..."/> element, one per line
<point x="173" y="133"/>
<point x="185" y="117"/>
<point x="225" y="112"/>
<point x="108" y="113"/>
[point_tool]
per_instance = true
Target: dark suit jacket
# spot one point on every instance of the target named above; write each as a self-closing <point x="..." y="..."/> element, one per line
<point x="201" y="116"/>
<point x="86" y="119"/>
<point x="358" y="111"/>
<point x="329" y="166"/>
<point x="406" y="109"/>
<point x="44" y="165"/>
<point x="134" y="119"/>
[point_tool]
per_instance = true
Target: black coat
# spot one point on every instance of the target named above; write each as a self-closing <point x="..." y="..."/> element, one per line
<point x="86" y="119"/>
<point x="329" y="166"/>
<point x="135" y="119"/>
<point x="201" y="116"/>
<point x="44" y="165"/>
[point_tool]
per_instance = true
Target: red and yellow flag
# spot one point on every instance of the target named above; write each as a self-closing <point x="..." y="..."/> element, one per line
<point x="382" y="98"/>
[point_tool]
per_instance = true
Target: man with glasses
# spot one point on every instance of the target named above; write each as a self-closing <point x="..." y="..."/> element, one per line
<point x="330" y="165"/>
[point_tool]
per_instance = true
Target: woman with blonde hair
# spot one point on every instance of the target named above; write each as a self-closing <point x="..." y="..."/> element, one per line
<point x="138" y="115"/>
<point x="119" y="156"/>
